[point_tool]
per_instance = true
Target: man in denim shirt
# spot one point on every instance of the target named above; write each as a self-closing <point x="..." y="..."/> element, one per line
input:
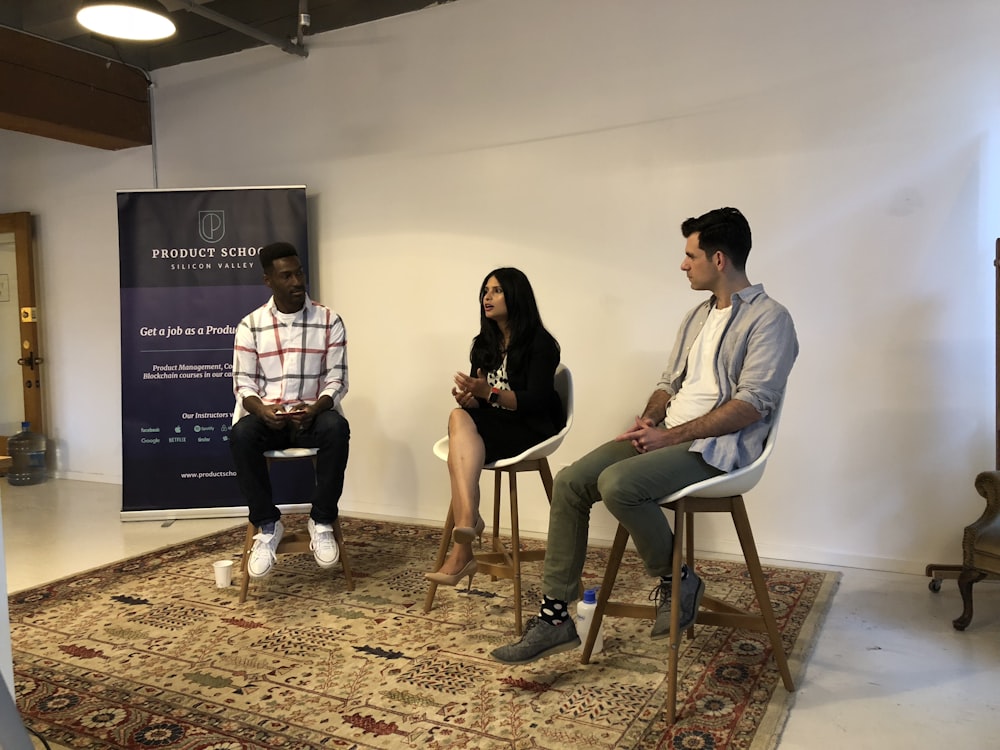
<point x="710" y="413"/>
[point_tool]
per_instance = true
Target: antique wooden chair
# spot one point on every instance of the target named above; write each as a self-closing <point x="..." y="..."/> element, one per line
<point x="980" y="545"/>
<point x="981" y="540"/>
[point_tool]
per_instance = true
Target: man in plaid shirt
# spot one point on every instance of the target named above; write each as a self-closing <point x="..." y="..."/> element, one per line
<point x="289" y="376"/>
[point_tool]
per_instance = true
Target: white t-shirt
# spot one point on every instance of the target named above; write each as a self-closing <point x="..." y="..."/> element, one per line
<point x="700" y="391"/>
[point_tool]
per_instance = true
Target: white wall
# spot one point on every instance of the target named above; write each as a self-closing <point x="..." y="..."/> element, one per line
<point x="71" y="189"/>
<point x="571" y="138"/>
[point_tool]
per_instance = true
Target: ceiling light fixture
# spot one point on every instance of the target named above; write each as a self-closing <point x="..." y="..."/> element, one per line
<point x="138" y="20"/>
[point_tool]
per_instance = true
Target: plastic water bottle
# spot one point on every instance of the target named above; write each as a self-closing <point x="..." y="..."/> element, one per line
<point x="27" y="449"/>
<point x="585" y="616"/>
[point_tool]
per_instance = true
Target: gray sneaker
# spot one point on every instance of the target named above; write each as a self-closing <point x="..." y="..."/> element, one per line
<point x="539" y="639"/>
<point x="692" y="590"/>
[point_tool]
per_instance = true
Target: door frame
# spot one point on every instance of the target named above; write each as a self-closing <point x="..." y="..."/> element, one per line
<point x="21" y="226"/>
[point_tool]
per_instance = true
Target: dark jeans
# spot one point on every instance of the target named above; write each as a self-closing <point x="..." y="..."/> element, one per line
<point x="250" y="437"/>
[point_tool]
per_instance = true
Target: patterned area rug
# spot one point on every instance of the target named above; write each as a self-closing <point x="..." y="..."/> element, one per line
<point x="148" y="653"/>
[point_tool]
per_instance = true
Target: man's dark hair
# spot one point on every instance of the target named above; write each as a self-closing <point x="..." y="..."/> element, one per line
<point x="725" y="230"/>
<point x="270" y="253"/>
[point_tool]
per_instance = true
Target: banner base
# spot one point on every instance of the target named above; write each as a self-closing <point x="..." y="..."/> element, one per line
<point x="180" y="514"/>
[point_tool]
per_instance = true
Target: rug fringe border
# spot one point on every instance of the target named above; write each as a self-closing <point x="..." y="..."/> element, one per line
<point x="772" y="724"/>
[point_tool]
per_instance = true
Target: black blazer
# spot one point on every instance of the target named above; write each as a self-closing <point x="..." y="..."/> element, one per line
<point x="538" y="404"/>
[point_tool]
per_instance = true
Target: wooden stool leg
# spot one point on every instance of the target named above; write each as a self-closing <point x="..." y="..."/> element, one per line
<point x="742" y="523"/>
<point x="673" y="654"/>
<point x="515" y="543"/>
<point x="345" y="563"/>
<point x="604" y="593"/>
<point x="245" y="561"/>
<point x="497" y="545"/>
<point x="689" y="530"/>
<point x="449" y="525"/>
<point x="546" y="474"/>
<point x="338" y="536"/>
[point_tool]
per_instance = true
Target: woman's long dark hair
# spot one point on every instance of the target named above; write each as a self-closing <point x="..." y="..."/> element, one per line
<point x="523" y="320"/>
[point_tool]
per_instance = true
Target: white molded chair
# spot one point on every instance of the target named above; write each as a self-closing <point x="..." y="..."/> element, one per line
<point x="293" y="542"/>
<point x="501" y="561"/>
<point x="720" y="494"/>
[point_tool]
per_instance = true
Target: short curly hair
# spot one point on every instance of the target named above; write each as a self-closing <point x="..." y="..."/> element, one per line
<point x="270" y="253"/>
<point x="725" y="230"/>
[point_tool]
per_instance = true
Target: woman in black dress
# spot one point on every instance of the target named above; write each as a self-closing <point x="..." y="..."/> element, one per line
<point x="506" y="404"/>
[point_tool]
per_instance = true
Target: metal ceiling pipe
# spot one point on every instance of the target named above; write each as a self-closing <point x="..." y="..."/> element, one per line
<point x="286" y="45"/>
<point x="305" y="20"/>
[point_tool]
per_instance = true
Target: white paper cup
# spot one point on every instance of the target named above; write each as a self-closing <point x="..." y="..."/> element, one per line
<point x="223" y="573"/>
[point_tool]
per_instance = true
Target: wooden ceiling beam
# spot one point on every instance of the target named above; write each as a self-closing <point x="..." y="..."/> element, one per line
<point x="54" y="91"/>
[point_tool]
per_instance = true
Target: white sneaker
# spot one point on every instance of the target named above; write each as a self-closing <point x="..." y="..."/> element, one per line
<point x="323" y="545"/>
<point x="262" y="555"/>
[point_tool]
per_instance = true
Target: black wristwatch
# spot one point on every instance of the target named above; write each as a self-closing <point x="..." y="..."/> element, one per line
<point x="494" y="395"/>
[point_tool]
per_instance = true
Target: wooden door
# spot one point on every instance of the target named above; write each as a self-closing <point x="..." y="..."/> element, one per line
<point x="26" y="350"/>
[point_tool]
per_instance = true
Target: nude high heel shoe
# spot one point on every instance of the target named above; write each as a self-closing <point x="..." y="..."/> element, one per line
<point x="465" y="534"/>
<point x="443" y="579"/>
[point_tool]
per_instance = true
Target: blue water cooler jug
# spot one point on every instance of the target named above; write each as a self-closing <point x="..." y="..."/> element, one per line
<point x="27" y="449"/>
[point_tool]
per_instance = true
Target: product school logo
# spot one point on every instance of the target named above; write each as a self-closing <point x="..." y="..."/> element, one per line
<point x="211" y="228"/>
<point x="212" y="225"/>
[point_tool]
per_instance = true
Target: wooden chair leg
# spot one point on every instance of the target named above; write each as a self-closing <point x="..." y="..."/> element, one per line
<point x="245" y="560"/>
<point x="673" y="650"/>
<point x="495" y="544"/>
<point x="966" y="579"/>
<point x="713" y="611"/>
<point x="345" y="563"/>
<point x="689" y="530"/>
<point x="604" y="593"/>
<point x="546" y="475"/>
<point x="501" y="561"/>
<point x="515" y="543"/>
<point x="742" y="523"/>
<point x="449" y="525"/>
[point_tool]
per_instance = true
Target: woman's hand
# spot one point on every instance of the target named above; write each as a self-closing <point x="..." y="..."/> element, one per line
<point x="464" y="399"/>
<point x="477" y="386"/>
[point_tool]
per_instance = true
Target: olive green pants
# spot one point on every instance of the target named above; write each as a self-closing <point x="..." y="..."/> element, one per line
<point x="630" y="484"/>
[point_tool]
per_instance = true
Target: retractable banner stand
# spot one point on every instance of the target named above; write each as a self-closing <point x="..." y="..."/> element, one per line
<point x="189" y="273"/>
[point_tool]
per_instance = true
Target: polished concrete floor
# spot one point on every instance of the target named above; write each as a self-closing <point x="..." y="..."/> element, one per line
<point x="888" y="671"/>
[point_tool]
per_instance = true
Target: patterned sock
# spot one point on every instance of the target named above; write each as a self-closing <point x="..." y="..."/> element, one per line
<point x="554" y="611"/>
<point x="666" y="580"/>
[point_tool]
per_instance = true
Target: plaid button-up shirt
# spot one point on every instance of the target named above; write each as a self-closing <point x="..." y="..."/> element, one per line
<point x="290" y="362"/>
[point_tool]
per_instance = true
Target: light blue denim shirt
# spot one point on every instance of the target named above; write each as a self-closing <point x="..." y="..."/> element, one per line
<point x="755" y="355"/>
